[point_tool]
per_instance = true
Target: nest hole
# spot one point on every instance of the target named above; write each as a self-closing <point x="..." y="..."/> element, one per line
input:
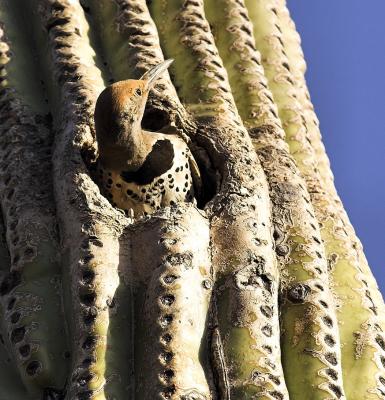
<point x="155" y="119"/>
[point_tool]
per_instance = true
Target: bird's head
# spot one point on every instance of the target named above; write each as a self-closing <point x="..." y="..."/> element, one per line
<point x="119" y="111"/>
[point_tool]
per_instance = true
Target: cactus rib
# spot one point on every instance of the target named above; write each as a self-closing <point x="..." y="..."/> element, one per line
<point x="307" y="343"/>
<point x="361" y="330"/>
<point x="34" y="322"/>
<point x="94" y="292"/>
<point x="246" y="278"/>
<point x="173" y="285"/>
<point x="292" y="45"/>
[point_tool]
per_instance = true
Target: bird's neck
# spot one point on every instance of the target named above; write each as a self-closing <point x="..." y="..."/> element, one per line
<point x="128" y="154"/>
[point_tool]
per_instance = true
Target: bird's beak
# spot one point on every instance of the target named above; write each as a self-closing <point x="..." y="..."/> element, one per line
<point x="155" y="72"/>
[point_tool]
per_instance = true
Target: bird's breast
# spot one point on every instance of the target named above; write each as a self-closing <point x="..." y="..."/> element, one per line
<point x="138" y="195"/>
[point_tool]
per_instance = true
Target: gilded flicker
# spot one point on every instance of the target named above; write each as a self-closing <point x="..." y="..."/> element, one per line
<point x="137" y="170"/>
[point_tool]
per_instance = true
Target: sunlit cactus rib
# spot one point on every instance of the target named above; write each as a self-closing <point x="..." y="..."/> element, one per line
<point x="310" y="339"/>
<point x="245" y="342"/>
<point x="361" y="330"/>
<point x="33" y="317"/>
<point x="292" y="44"/>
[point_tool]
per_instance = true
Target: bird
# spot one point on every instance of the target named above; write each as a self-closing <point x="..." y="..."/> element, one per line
<point x="137" y="170"/>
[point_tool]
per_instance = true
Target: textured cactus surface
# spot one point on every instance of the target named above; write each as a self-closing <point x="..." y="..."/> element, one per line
<point x="257" y="290"/>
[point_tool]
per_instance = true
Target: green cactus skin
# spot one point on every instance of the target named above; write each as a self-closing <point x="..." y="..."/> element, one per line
<point x="245" y="339"/>
<point x="310" y="347"/>
<point x="34" y="322"/>
<point x="292" y="45"/>
<point x="11" y="386"/>
<point x="361" y="330"/>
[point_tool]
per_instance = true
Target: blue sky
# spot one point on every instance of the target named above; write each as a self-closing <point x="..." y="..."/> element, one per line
<point x="344" y="45"/>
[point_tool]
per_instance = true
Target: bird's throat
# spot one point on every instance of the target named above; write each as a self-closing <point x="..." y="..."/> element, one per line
<point x="128" y="155"/>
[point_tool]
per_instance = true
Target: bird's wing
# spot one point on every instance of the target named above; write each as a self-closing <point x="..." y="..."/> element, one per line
<point x="196" y="176"/>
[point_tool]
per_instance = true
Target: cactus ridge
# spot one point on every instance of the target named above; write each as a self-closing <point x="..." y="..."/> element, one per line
<point x="304" y="277"/>
<point x="346" y="269"/>
<point x="248" y="292"/>
<point x="31" y="316"/>
<point x="291" y="41"/>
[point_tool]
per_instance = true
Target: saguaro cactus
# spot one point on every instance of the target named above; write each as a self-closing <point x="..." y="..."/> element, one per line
<point x="257" y="290"/>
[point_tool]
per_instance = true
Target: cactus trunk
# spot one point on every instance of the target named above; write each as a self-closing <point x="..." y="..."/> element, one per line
<point x="258" y="290"/>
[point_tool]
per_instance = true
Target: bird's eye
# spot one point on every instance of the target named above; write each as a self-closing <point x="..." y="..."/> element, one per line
<point x="138" y="92"/>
